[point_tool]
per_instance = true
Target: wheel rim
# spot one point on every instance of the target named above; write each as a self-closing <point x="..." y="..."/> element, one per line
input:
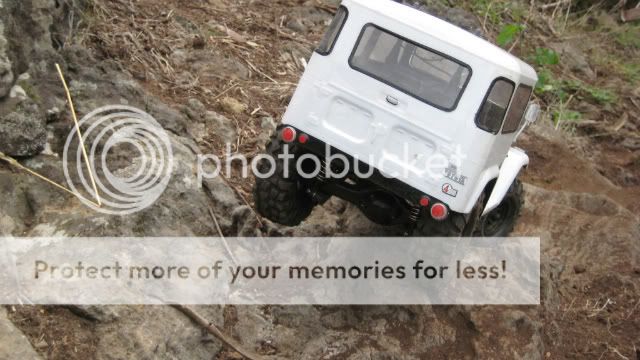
<point x="497" y="221"/>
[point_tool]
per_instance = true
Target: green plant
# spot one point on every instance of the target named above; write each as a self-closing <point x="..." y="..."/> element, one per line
<point x="557" y="90"/>
<point x="564" y="119"/>
<point x="603" y="96"/>
<point x="628" y="37"/>
<point x="545" y="81"/>
<point x="509" y="33"/>
<point x="489" y="10"/>
<point x="546" y="57"/>
<point x="631" y="71"/>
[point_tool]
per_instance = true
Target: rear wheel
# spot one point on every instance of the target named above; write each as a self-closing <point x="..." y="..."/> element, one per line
<point x="501" y="221"/>
<point x="279" y="198"/>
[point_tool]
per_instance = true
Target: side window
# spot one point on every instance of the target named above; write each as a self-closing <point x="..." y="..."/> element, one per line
<point x="330" y="37"/>
<point x="518" y="107"/>
<point x="495" y="106"/>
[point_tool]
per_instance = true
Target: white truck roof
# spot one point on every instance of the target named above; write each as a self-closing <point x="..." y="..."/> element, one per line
<point x="447" y="32"/>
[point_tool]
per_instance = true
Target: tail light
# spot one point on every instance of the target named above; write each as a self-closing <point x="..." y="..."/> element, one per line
<point x="439" y="211"/>
<point x="288" y="134"/>
<point x="425" y="201"/>
<point x="303" y="138"/>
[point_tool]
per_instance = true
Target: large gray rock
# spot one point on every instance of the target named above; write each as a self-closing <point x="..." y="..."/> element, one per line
<point x="13" y="343"/>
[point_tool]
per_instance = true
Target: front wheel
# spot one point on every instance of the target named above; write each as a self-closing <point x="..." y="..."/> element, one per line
<point x="501" y="221"/>
<point x="283" y="197"/>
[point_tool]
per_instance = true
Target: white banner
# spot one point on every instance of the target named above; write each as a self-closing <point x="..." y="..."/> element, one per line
<point x="287" y="271"/>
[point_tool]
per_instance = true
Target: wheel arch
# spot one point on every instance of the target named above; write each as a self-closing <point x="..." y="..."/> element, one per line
<point x="514" y="162"/>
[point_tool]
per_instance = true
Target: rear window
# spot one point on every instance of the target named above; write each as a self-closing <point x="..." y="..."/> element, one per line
<point x="330" y="37"/>
<point x="518" y="107"/>
<point x="411" y="68"/>
<point x="495" y="106"/>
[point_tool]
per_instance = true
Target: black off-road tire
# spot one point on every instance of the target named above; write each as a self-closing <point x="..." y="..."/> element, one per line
<point x="501" y="221"/>
<point x="456" y="225"/>
<point x="282" y="200"/>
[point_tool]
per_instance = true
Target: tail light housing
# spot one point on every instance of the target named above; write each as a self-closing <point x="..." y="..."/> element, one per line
<point x="439" y="211"/>
<point x="288" y="134"/>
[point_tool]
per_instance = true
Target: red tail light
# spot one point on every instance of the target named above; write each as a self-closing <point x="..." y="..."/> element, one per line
<point x="303" y="138"/>
<point x="288" y="134"/>
<point x="439" y="211"/>
<point x="424" y="201"/>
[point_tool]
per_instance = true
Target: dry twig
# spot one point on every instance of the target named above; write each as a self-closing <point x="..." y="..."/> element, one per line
<point x="213" y="330"/>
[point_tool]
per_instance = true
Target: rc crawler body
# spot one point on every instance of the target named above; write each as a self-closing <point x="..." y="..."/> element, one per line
<point x="430" y="110"/>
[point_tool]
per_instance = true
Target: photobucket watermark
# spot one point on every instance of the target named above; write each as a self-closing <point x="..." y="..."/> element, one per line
<point x="330" y="164"/>
<point x="118" y="161"/>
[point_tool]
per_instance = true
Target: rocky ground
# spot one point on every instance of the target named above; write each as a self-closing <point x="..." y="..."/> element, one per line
<point x="221" y="71"/>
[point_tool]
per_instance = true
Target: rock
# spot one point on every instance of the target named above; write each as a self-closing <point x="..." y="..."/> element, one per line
<point x="220" y="126"/>
<point x="7" y="225"/>
<point x="198" y="42"/>
<point x="297" y="26"/>
<point x="579" y="269"/>
<point x="224" y="198"/>
<point x="197" y="107"/>
<point x="245" y="222"/>
<point x="455" y="15"/>
<point x="169" y="118"/>
<point x="53" y="114"/>
<point x="573" y="57"/>
<point x="267" y="126"/>
<point x="6" y="71"/>
<point x="82" y="89"/>
<point x="23" y="134"/>
<point x="13" y="344"/>
<point x="233" y="106"/>
<point x="18" y="92"/>
<point x="157" y="332"/>
<point x="6" y="76"/>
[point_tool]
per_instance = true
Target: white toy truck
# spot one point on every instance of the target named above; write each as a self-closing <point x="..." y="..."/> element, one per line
<point x="408" y="117"/>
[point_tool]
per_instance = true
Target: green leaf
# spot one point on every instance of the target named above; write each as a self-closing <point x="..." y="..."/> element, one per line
<point x="546" y="56"/>
<point x="509" y="33"/>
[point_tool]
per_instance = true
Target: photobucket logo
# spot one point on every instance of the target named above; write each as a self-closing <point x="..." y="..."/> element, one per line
<point x="333" y="165"/>
<point x="130" y="160"/>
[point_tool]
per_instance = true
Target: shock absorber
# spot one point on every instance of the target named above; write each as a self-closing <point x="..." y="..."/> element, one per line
<point x="414" y="214"/>
<point x="322" y="175"/>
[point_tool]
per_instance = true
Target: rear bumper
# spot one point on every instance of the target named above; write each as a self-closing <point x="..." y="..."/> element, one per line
<point x="388" y="184"/>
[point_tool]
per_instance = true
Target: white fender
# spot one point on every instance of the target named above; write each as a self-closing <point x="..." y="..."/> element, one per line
<point x="515" y="161"/>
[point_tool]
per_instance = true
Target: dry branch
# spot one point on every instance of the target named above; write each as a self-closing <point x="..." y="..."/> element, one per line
<point x="213" y="330"/>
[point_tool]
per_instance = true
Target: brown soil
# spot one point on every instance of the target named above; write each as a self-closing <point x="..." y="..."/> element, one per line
<point x="55" y="332"/>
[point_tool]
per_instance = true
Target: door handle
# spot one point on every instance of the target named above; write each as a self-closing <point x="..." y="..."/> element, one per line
<point x="393" y="101"/>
